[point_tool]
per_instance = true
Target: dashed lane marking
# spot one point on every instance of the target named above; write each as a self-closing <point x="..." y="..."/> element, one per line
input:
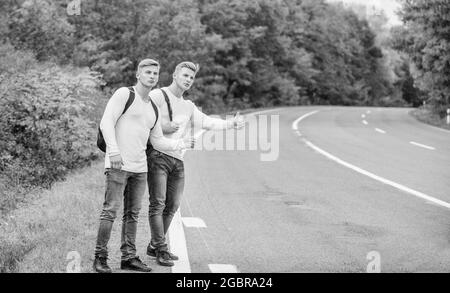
<point x="192" y="222"/>
<point x="367" y="173"/>
<point x="422" y="145"/>
<point x="223" y="268"/>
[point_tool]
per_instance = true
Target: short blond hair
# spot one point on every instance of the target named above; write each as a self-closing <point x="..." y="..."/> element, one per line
<point x="187" y="64"/>
<point x="147" y="62"/>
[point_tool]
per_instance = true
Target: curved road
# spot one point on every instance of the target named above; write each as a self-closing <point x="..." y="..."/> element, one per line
<point x="309" y="212"/>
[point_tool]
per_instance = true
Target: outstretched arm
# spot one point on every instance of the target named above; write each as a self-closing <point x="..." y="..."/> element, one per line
<point x="204" y="121"/>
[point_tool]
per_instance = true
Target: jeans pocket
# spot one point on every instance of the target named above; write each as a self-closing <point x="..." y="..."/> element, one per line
<point x="115" y="175"/>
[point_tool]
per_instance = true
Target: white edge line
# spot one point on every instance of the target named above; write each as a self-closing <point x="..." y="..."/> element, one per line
<point x="422" y="145"/>
<point x="177" y="239"/>
<point x="177" y="242"/>
<point x="222" y="268"/>
<point x="365" y="122"/>
<point x="192" y="222"/>
<point x="363" y="116"/>
<point x="379" y="178"/>
<point x="371" y="175"/>
<point x="262" y="112"/>
<point x="295" y="123"/>
<point x="380" y="130"/>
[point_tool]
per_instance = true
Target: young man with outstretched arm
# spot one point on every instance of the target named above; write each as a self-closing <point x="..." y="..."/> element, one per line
<point x="126" y="135"/>
<point x="166" y="168"/>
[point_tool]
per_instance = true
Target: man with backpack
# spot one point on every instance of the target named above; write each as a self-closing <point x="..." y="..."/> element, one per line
<point x="166" y="168"/>
<point x="129" y="121"/>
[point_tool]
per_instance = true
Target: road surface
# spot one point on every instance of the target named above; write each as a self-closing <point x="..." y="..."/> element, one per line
<point x="352" y="190"/>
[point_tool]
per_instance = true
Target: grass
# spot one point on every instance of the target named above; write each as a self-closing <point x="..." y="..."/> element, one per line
<point x="425" y="115"/>
<point x="38" y="236"/>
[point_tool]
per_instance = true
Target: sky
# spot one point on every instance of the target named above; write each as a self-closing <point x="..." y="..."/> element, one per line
<point x="389" y="6"/>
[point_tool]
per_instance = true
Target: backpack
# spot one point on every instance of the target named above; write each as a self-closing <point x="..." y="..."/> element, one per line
<point x="149" y="145"/>
<point x="101" y="144"/>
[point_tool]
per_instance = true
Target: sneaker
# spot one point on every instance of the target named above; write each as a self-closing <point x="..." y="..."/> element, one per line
<point x="134" y="264"/>
<point x="151" y="251"/>
<point x="101" y="265"/>
<point x="163" y="258"/>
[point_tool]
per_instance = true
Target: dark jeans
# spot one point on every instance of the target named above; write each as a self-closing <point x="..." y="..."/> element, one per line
<point x="165" y="186"/>
<point x="129" y="187"/>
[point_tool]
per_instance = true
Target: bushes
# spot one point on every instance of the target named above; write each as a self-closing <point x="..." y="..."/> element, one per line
<point x="12" y="253"/>
<point x="45" y="121"/>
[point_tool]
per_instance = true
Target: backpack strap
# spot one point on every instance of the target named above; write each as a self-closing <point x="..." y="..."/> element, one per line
<point x="156" y="113"/>
<point x="166" y="97"/>
<point x="130" y="99"/>
<point x="101" y="144"/>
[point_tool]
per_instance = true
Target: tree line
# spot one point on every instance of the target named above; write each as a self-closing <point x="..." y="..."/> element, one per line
<point x="58" y="68"/>
<point x="252" y="53"/>
<point x="425" y="38"/>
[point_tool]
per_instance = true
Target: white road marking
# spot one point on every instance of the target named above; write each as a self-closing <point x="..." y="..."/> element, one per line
<point x="368" y="112"/>
<point x="363" y="116"/>
<point x="379" y="178"/>
<point x="262" y="112"/>
<point x="364" y="172"/>
<point x="177" y="239"/>
<point x="192" y="222"/>
<point x="380" y="130"/>
<point x="177" y="242"/>
<point x="422" y="145"/>
<point x="294" y="124"/>
<point x="222" y="268"/>
<point x="365" y="122"/>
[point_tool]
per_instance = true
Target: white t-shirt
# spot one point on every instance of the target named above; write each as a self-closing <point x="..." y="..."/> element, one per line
<point x="186" y="114"/>
<point x="128" y="134"/>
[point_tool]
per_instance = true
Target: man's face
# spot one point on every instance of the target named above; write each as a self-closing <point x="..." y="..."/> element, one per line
<point x="184" y="78"/>
<point x="148" y="75"/>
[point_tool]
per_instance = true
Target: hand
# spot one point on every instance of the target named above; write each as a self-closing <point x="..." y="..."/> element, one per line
<point x="238" y="121"/>
<point x="170" y="127"/>
<point x="116" y="162"/>
<point x="189" y="142"/>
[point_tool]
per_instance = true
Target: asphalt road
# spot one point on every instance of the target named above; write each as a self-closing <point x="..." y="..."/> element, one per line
<point x="305" y="212"/>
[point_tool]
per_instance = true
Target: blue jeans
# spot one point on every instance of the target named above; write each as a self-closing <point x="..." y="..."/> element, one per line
<point x="129" y="187"/>
<point x="165" y="185"/>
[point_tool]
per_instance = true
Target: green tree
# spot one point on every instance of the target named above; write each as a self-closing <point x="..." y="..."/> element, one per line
<point x="426" y="40"/>
<point x="37" y="25"/>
